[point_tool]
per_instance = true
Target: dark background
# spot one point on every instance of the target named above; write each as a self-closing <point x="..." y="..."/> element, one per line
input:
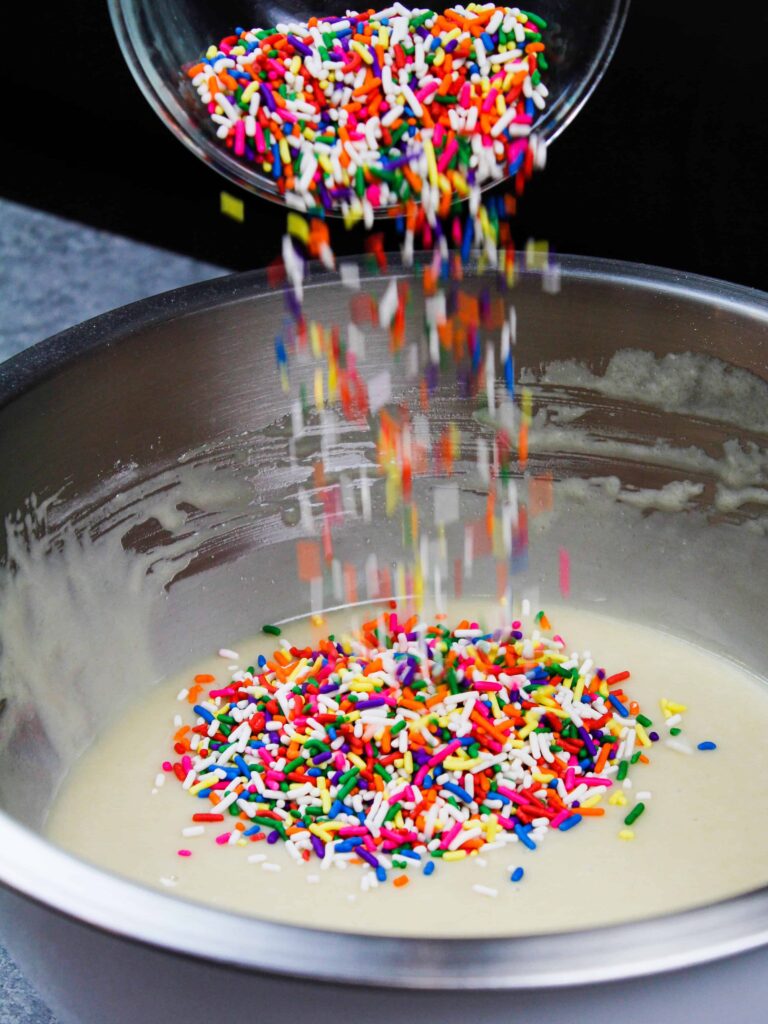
<point x="666" y="164"/>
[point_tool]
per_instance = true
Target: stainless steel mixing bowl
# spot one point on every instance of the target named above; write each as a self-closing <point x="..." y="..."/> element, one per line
<point x="150" y="479"/>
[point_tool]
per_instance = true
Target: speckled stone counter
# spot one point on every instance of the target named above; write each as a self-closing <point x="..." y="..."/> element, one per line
<point x="53" y="274"/>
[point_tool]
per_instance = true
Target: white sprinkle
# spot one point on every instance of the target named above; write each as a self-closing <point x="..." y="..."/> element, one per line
<point x="484" y="890"/>
<point x="271" y="867"/>
<point x="256" y="858"/>
<point x="224" y="652"/>
<point x="193" y="830"/>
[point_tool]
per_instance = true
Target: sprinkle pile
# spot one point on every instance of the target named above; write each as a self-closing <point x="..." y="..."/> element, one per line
<point x="376" y="109"/>
<point x="410" y="742"/>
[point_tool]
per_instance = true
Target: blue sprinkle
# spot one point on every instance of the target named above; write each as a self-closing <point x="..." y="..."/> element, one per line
<point x="707" y="745"/>
<point x="570" y="822"/>
<point x="509" y="373"/>
<point x="621" y="708"/>
<point x="487" y="42"/>
<point x="429" y="867"/>
<point x="462" y="794"/>
<point x="204" y="794"/>
<point x="516" y="875"/>
<point x="524" y="838"/>
<point x="203" y="712"/>
<point x="381" y="873"/>
<point x="411" y="854"/>
<point x="262" y="661"/>
<point x="240" y="762"/>
<point x="252" y="831"/>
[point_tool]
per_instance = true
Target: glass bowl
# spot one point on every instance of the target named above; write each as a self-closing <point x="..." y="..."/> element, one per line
<point x="160" y="37"/>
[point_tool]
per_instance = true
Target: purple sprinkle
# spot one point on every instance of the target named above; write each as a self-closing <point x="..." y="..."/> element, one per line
<point x="301" y="47"/>
<point x="273" y="837"/>
<point x="367" y="856"/>
<point x="587" y="740"/>
<point x="324" y="755"/>
<point x="266" y="95"/>
<point x="374" y="702"/>
<point x="653" y="736"/>
<point x="317" y="845"/>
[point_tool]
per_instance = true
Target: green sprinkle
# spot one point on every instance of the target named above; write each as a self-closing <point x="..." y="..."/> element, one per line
<point x="675" y="731"/>
<point x="634" y="814"/>
<point x="535" y="18"/>
<point x="644" y="721"/>
<point x="623" y="769"/>
<point x="271" y="630"/>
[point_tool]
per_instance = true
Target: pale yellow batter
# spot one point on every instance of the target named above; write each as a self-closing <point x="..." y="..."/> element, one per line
<point x="702" y="838"/>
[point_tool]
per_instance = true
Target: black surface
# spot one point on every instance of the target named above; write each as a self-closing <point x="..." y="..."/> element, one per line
<point x="666" y="164"/>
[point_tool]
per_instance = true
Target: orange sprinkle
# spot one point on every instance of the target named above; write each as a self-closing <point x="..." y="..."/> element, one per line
<point x="400" y="881"/>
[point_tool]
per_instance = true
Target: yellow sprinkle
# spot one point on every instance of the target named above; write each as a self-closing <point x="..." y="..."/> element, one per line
<point x="211" y="52"/>
<point x="642" y="735"/>
<point x="626" y="834"/>
<point x="319" y="400"/>
<point x="429" y="152"/>
<point x="285" y="153"/>
<point x="249" y="90"/>
<point x="408" y="759"/>
<point x="232" y="207"/>
<point x="358" y="762"/>
<point x="364" y="52"/>
<point x="296" y="65"/>
<point x="439" y="56"/>
<point x="536" y="253"/>
<point x="617" y="799"/>
<point x="322" y="832"/>
<point x="454" y="855"/>
<point x="298" y="227"/>
<point x="592" y="801"/>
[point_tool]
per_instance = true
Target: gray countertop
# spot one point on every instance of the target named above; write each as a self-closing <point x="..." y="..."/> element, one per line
<point x="53" y="274"/>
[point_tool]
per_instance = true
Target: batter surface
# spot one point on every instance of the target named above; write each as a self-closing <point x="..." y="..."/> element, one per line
<point x="703" y="835"/>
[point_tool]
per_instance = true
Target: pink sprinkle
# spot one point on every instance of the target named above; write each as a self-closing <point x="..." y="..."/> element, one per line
<point x="223" y="839"/>
<point x="186" y="762"/>
<point x="570" y="776"/>
<point x="510" y="794"/>
<point x="482" y="685"/>
<point x="489" y="100"/>
<point x="565" y="572"/>
<point x="450" y="835"/>
<point x="167" y="766"/>
<point x="559" y="818"/>
<point x="185" y="853"/>
<point x="240" y="138"/>
<point x="446" y="156"/>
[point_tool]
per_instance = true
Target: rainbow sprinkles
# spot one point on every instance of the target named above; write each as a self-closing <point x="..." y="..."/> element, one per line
<point x="411" y="743"/>
<point x="382" y="109"/>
